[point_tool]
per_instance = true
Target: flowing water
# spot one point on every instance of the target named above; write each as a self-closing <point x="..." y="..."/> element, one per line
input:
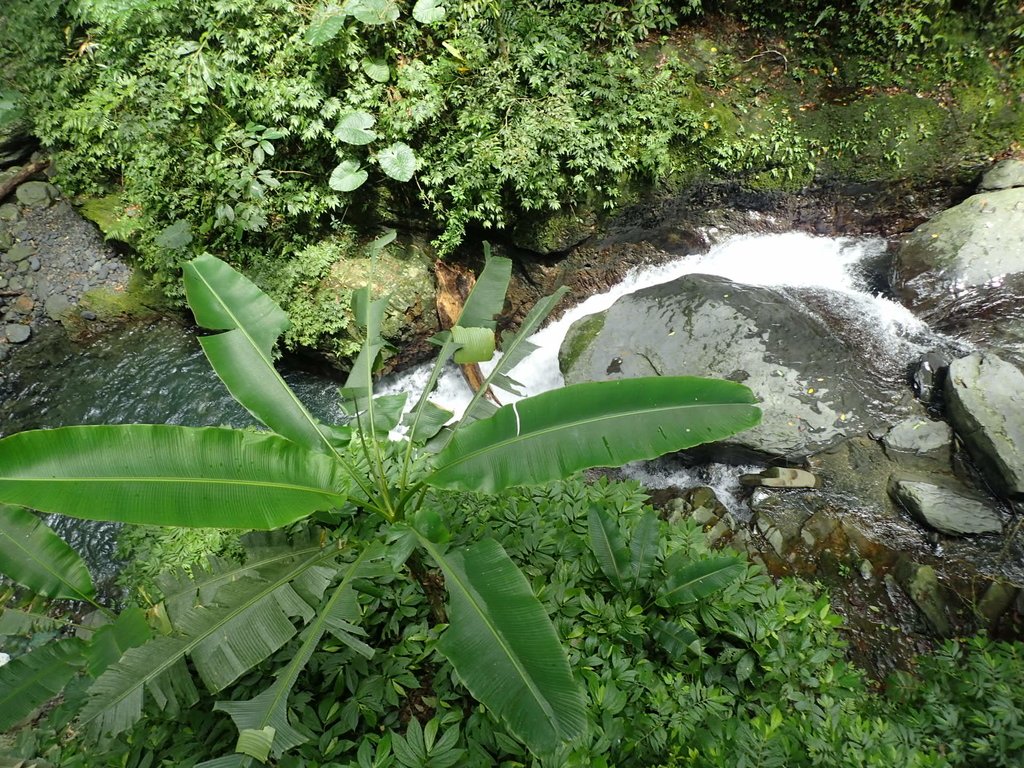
<point x="157" y="373"/>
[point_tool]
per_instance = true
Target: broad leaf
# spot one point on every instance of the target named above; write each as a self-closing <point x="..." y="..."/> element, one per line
<point x="223" y="299"/>
<point x="256" y="742"/>
<point x="398" y="161"/>
<point x="676" y="639"/>
<point x="476" y="344"/>
<point x="505" y="649"/>
<point x="270" y="708"/>
<point x="32" y="555"/>
<point x="176" y="237"/>
<point x="373" y="12"/>
<point x="28" y="681"/>
<point x="325" y="27"/>
<point x="514" y="348"/>
<point x="168" y="475"/>
<point x="608" y="546"/>
<point x="427" y="422"/>
<point x="249" y="621"/>
<point x="487" y="298"/>
<point x="596" y="424"/>
<point x="347" y="176"/>
<point x="354" y="128"/>
<point x="15" y="622"/>
<point x="688" y="582"/>
<point x="110" y="642"/>
<point x="376" y="69"/>
<point x="643" y="549"/>
<point x="428" y="11"/>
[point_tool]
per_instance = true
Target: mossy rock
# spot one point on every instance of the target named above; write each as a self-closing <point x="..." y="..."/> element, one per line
<point x="114" y="218"/>
<point x="315" y="288"/>
<point x="555" y="232"/>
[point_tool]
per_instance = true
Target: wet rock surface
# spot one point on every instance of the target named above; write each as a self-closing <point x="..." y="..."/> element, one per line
<point x="946" y="510"/>
<point x="985" y="397"/>
<point x="806" y="355"/>
<point x="963" y="271"/>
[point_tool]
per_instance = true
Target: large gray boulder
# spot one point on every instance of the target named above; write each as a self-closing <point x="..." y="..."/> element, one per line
<point x="810" y="356"/>
<point x="946" y="510"/>
<point x="985" y="400"/>
<point x="963" y="271"/>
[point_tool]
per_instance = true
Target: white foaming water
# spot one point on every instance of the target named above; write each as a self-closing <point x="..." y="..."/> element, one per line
<point x="792" y="259"/>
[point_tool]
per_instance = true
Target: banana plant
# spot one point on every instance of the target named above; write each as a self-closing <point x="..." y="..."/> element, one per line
<point x="356" y="504"/>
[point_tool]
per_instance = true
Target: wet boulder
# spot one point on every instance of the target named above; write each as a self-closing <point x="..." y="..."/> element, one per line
<point x="963" y="271"/>
<point x="985" y="399"/>
<point x="946" y="510"/>
<point x="811" y="356"/>
<point x="1006" y="174"/>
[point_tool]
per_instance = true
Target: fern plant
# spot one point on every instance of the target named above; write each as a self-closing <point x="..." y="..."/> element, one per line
<point x="309" y="486"/>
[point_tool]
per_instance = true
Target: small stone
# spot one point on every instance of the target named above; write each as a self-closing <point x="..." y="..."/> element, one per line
<point x="56" y="306"/>
<point x="23" y="304"/>
<point x="88" y="314"/>
<point x="36" y="194"/>
<point x="34" y="264"/>
<point x="9" y="212"/>
<point x="102" y="272"/>
<point x="929" y="376"/>
<point x="6" y="239"/>
<point x="3" y="282"/>
<point x="22" y="267"/>
<point x="5" y="351"/>
<point x="17" y="334"/>
<point x="917" y="435"/>
<point x="16" y="283"/>
<point x="922" y="585"/>
<point x="18" y="253"/>
<point x="781" y="477"/>
<point x="997" y="600"/>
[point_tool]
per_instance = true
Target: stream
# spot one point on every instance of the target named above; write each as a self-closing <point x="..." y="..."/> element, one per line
<point x="157" y="373"/>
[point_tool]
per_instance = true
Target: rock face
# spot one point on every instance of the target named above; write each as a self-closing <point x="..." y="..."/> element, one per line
<point x="963" y="271"/>
<point x="1005" y="174"/>
<point x="945" y="510"/>
<point x="985" y="398"/>
<point x="918" y="435"/>
<point x="816" y="386"/>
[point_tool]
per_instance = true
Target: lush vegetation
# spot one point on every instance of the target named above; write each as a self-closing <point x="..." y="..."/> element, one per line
<point x="255" y="128"/>
<point x="377" y="511"/>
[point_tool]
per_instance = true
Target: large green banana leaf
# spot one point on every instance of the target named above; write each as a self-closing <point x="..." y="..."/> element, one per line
<point x="250" y="620"/>
<point x="167" y="475"/>
<point x="223" y="299"/>
<point x="596" y="424"/>
<point x="504" y="647"/>
<point x="35" y="678"/>
<point x="34" y="556"/>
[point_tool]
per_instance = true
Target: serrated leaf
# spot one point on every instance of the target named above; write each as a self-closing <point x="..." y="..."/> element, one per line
<point x="175" y="237"/>
<point x="354" y="128"/>
<point x="608" y="546"/>
<point x="428" y="11"/>
<point x="688" y="582"/>
<point x="398" y="161"/>
<point x="32" y="555"/>
<point x="376" y="69"/>
<point x="347" y="176"/>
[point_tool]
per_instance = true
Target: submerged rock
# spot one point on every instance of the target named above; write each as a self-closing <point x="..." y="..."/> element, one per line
<point x="985" y="398"/>
<point x="946" y="510"/>
<point x="811" y="356"/>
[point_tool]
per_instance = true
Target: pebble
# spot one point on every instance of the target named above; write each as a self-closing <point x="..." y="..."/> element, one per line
<point x="34" y="264"/>
<point x="17" y="334"/>
<point x="88" y="314"/>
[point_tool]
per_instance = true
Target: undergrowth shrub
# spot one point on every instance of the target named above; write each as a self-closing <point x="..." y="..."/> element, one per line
<point x="763" y="682"/>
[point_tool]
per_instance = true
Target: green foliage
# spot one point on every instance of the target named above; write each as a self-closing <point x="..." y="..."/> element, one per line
<point x="219" y="625"/>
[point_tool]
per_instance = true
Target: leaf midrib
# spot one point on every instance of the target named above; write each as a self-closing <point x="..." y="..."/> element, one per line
<point x="523" y="436"/>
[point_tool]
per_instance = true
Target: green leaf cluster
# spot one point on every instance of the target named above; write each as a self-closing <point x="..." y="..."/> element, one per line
<point x="380" y="499"/>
